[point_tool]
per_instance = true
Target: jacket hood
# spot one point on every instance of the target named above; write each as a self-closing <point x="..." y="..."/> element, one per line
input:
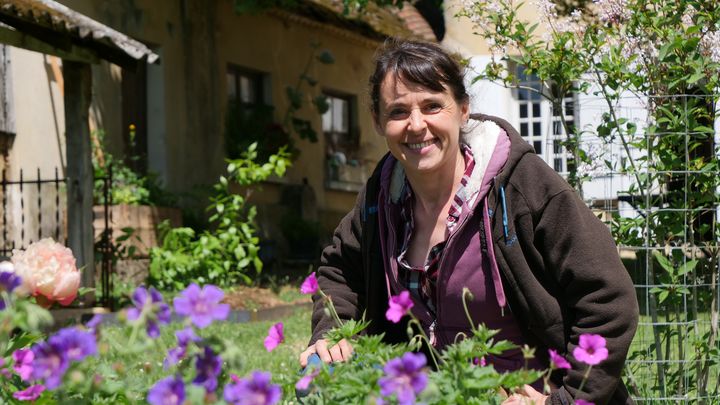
<point x="518" y="146"/>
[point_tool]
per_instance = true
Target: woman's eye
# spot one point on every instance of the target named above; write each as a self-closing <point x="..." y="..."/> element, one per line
<point x="433" y="107"/>
<point x="397" y="113"/>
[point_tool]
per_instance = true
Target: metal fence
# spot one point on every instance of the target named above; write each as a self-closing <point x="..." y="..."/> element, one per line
<point x="34" y="207"/>
<point x="669" y="241"/>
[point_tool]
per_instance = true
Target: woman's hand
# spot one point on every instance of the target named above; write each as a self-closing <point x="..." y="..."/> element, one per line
<point x="526" y="395"/>
<point x="340" y="352"/>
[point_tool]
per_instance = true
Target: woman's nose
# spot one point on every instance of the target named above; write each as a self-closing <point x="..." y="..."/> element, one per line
<point x="416" y="120"/>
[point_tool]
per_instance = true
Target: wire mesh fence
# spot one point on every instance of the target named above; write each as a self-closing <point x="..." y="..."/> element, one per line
<point x="657" y="186"/>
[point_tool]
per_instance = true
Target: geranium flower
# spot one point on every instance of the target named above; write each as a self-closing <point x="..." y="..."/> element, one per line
<point x="275" y="337"/>
<point x="149" y="304"/>
<point x="23" y="363"/>
<point x="94" y="322"/>
<point x="399" y="306"/>
<point x="77" y="344"/>
<point x="49" y="364"/>
<point x="9" y="281"/>
<point x="310" y="285"/>
<point x="255" y="390"/>
<point x="557" y="361"/>
<point x="208" y="367"/>
<point x="591" y="350"/>
<point x="305" y="381"/>
<point x="184" y="337"/>
<point x="168" y="391"/>
<point x="405" y="377"/>
<point x="29" y="394"/>
<point x="202" y="306"/>
<point x="48" y="272"/>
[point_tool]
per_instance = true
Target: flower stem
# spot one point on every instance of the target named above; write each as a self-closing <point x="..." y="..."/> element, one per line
<point x="331" y="307"/>
<point x="424" y="337"/>
<point x="466" y="294"/>
<point x="585" y="377"/>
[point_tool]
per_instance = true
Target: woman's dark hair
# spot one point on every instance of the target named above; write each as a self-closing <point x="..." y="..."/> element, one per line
<point x="421" y="63"/>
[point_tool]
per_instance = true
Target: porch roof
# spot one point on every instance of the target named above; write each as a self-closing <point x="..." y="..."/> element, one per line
<point x="50" y="27"/>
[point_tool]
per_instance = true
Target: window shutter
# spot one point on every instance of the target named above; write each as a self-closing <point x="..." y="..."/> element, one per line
<point x="7" y="112"/>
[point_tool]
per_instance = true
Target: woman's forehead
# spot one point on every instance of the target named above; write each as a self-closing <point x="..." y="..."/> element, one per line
<point x="394" y="87"/>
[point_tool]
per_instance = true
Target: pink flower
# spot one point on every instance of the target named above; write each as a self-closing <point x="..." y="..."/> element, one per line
<point x="48" y="271"/>
<point x="557" y="361"/>
<point x="591" y="349"/>
<point x="23" y="362"/>
<point x="30" y="394"/>
<point x="583" y="402"/>
<point x="305" y="381"/>
<point x="480" y="361"/>
<point x="310" y="285"/>
<point x="399" y="306"/>
<point x="275" y="337"/>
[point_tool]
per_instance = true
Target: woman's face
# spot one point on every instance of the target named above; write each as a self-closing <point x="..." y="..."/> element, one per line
<point x="421" y="126"/>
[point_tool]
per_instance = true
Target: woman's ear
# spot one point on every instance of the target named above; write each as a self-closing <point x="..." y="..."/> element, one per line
<point x="465" y="109"/>
<point x="376" y="124"/>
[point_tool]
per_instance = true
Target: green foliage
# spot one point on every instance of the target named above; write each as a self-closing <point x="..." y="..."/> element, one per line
<point x="228" y="254"/>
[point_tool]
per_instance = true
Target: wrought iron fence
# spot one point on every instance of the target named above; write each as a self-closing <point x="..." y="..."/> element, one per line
<point x="34" y="207"/>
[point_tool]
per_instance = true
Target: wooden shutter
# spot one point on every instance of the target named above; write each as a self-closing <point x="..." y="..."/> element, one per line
<point x="7" y="112"/>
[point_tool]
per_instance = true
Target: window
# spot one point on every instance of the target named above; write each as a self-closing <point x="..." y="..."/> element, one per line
<point x="344" y="169"/>
<point x="250" y="116"/>
<point x="541" y="124"/>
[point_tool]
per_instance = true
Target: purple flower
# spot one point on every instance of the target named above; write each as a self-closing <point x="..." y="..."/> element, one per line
<point x="23" y="363"/>
<point x="255" y="390"/>
<point x="591" y="349"/>
<point x="310" y="285"/>
<point x="557" y="361"/>
<point x="94" y="322"/>
<point x="49" y="364"/>
<point x="480" y="361"/>
<point x="399" y="306"/>
<point x="202" y="306"/>
<point x="184" y="337"/>
<point x="208" y="367"/>
<point x="149" y="304"/>
<point x="404" y="376"/>
<point x="168" y="391"/>
<point x="77" y="344"/>
<point x="8" y="282"/>
<point x="305" y="381"/>
<point x="275" y="337"/>
<point x="583" y="402"/>
<point x="29" y="394"/>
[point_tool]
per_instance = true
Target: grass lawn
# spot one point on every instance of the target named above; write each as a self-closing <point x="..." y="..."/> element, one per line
<point x="143" y="369"/>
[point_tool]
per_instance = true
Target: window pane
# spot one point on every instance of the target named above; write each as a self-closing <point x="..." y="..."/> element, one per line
<point x="523" y="110"/>
<point x="536" y="109"/>
<point x="538" y="147"/>
<point x="536" y="128"/>
<point x="557" y="128"/>
<point x="231" y="86"/>
<point x="340" y="115"/>
<point x="558" y="166"/>
<point x="327" y="117"/>
<point x="524" y="129"/>
<point x="247" y="90"/>
<point x="557" y="147"/>
<point x="569" y="108"/>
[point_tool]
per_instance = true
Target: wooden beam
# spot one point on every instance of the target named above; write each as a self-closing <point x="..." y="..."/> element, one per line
<point x="78" y="82"/>
<point x="18" y="39"/>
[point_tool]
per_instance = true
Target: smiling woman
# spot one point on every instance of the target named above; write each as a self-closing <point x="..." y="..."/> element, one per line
<point x="461" y="201"/>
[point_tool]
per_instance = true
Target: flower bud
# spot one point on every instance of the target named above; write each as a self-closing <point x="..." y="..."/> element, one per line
<point x="77" y="377"/>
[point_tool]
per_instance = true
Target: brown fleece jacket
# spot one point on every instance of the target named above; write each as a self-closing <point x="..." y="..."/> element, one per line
<point x="560" y="269"/>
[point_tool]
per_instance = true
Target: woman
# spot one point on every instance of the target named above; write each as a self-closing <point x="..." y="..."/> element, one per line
<point x="460" y="201"/>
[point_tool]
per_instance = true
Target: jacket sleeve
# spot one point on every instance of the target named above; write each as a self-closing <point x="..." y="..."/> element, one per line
<point x="340" y="273"/>
<point x="595" y="289"/>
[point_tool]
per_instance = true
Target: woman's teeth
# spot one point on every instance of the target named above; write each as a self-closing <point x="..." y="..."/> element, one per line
<point x="420" y="145"/>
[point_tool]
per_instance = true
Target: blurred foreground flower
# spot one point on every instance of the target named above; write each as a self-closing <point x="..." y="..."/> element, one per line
<point x="405" y="377"/>
<point x="48" y="272"/>
<point x="52" y="358"/>
<point x="9" y="281"/>
<point x="149" y="308"/>
<point x="275" y="337"/>
<point x="310" y="285"/>
<point x="30" y="394"/>
<point x="202" y="305"/>
<point x="168" y="391"/>
<point x="255" y="390"/>
<point x="399" y="306"/>
<point x="208" y="367"/>
<point x="557" y="361"/>
<point x="591" y="349"/>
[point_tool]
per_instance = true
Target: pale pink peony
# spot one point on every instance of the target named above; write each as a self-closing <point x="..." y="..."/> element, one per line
<point x="48" y="271"/>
